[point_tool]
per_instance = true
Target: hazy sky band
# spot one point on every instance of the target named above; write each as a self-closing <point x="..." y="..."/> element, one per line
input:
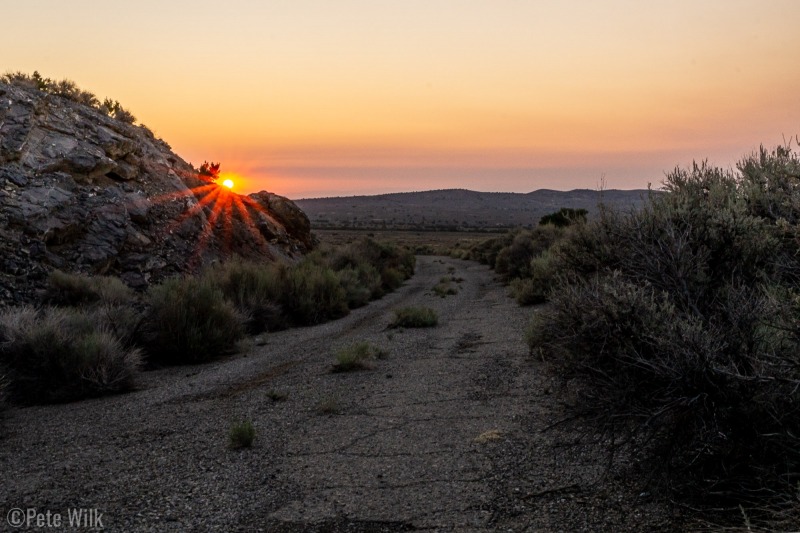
<point x="307" y="98"/>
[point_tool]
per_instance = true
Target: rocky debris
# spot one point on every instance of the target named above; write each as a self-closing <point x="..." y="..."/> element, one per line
<point x="81" y="191"/>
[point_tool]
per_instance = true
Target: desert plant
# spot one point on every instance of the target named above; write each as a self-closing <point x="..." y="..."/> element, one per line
<point x="329" y="405"/>
<point x="125" y="322"/>
<point x="277" y="396"/>
<point x="356" y="357"/>
<point x="78" y="289"/>
<point x="535" y="288"/>
<point x="255" y="290"/>
<point x="241" y="435"/>
<point x="393" y="263"/>
<point x="312" y="293"/>
<point x="444" y="288"/>
<point x="190" y="321"/>
<point x="414" y="317"/>
<point x="360" y="283"/>
<point x="58" y="355"/>
<point x="680" y="320"/>
<point x="514" y="261"/>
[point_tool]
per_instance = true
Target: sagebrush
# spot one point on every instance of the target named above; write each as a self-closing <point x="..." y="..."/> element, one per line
<point x="682" y="320"/>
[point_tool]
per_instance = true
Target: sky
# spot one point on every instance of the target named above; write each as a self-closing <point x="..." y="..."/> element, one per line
<point x="309" y="98"/>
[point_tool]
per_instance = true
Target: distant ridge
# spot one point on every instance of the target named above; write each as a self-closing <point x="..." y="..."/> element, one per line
<point x="457" y="209"/>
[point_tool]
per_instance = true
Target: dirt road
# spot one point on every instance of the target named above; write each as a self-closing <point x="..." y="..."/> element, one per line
<point x="446" y="433"/>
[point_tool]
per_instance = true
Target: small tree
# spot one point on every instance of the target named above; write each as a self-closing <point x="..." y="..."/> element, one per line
<point x="209" y="170"/>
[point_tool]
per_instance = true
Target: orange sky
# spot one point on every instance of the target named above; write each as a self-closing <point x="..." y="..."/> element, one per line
<point x="319" y="98"/>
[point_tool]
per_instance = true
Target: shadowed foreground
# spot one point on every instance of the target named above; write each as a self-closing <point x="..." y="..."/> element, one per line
<point x="445" y="433"/>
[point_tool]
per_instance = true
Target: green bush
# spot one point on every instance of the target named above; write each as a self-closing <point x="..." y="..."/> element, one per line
<point x="79" y="289"/>
<point x="191" y="322"/>
<point x="312" y="293"/>
<point x="681" y="321"/>
<point x="60" y="355"/>
<point x="535" y="289"/>
<point x="514" y="260"/>
<point x="392" y="278"/>
<point x="241" y="435"/>
<point x="255" y="290"/>
<point x="414" y="317"/>
<point x="486" y="252"/>
<point x="361" y="283"/>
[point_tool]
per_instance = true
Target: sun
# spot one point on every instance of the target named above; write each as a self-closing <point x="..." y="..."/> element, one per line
<point x="228" y="183"/>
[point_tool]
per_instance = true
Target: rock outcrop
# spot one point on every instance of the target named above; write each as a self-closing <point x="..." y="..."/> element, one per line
<point x="83" y="192"/>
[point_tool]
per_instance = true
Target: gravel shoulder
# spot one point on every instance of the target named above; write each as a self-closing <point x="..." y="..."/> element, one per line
<point x="450" y="432"/>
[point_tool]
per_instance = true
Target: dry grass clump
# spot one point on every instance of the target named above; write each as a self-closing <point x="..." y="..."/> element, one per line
<point x="357" y="357"/>
<point x="445" y="287"/>
<point x="60" y="355"/>
<point x="241" y="435"/>
<point x="681" y="321"/>
<point x="190" y="321"/>
<point x="414" y="317"/>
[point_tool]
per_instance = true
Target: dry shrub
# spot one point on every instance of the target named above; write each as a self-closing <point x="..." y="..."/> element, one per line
<point x="59" y="355"/>
<point x="414" y="317"/>
<point x="255" y="290"/>
<point x="190" y="321"/>
<point x="681" y="321"/>
<point x="312" y="293"/>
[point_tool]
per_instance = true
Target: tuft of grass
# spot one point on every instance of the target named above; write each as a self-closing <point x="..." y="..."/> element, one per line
<point x="414" y="317"/>
<point x="277" y="396"/>
<point x="445" y="287"/>
<point x="61" y="355"/>
<point x="241" y="435"/>
<point x="329" y="405"/>
<point x="191" y="322"/>
<point x="357" y="357"/>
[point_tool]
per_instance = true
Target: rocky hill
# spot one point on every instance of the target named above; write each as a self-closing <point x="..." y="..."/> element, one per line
<point x="83" y="191"/>
<point x="457" y="209"/>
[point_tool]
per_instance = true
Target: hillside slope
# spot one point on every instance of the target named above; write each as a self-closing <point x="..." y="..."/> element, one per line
<point x="82" y="191"/>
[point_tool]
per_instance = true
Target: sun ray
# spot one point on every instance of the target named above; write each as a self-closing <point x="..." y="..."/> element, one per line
<point x="222" y="212"/>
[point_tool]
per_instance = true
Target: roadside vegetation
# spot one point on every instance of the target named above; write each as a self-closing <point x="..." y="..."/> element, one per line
<point x="446" y="287"/>
<point x="680" y="322"/>
<point x="523" y="259"/>
<point x="95" y="334"/>
<point x="414" y="317"/>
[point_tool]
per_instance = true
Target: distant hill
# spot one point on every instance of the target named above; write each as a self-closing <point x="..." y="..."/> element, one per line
<point x="457" y="209"/>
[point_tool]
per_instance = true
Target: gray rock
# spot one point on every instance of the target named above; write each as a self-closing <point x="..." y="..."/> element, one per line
<point x="82" y="191"/>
